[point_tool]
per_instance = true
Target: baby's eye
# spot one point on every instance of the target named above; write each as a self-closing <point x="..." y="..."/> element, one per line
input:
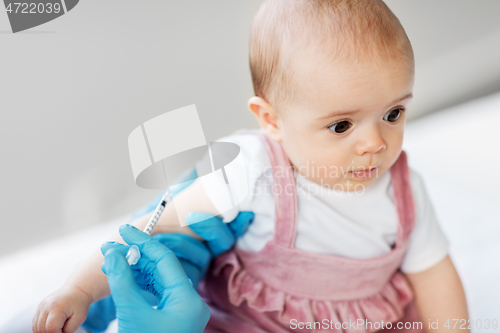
<point x="340" y="127"/>
<point x="393" y="115"/>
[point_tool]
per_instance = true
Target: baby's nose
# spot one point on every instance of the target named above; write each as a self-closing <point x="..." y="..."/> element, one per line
<point x="371" y="142"/>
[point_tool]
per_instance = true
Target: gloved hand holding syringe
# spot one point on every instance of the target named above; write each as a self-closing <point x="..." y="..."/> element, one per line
<point x="133" y="254"/>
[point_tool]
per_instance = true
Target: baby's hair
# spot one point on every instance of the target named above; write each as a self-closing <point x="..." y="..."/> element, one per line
<point x="342" y="30"/>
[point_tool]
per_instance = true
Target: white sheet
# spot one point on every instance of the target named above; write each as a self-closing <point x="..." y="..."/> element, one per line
<point x="26" y="277"/>
<point x="457" y="153"/>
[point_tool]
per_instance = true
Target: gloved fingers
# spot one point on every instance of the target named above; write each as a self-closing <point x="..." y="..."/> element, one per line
<point x="144" y="270"/>
<point x="194" y="273"/>
<point x="149" y="280"/>
<point x="207" y="221"/>
<point x="216" y="233"/>
<point x="150" y="283"/>
<point x="241" y="223"/>
<point x="186" y="247"/>
<point x="134" y="236"/>
<point x="150" y="288"/>
<point x="147" y="277"/>
<point x="192" y="254"/>
<point x="179" y="295"/>
<point x="122" y="248"/>
<point x="100" y="314"/>
<point x="149" y="274"/>
<point x="167" y="264"/>
<point x="124" y="289"/>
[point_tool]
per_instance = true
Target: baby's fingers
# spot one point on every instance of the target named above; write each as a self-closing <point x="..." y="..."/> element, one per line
<point x="73" y="322"/>
<point x="40" y="320"/>
<point x="55" y="322"/>
<point x="34" y="321"/>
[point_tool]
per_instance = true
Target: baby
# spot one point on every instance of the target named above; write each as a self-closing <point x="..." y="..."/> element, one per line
<point x="344" y="236"/>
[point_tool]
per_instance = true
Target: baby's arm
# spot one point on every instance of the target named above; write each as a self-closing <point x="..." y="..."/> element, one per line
<point x="439" y="296"/>
<point x="69" y="305"/>
<point x="89" y="276"/>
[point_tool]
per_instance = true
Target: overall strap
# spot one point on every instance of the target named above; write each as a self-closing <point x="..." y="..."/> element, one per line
<point x="283" y="189"/>
<point x="400" y="179"/>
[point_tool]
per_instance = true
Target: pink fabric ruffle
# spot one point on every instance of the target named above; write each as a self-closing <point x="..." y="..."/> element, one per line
<point x="388" y="304"/>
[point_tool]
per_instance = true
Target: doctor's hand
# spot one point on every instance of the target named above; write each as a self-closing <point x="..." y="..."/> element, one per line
<point x="194" y="257"/>
<point x="180" y="308"/>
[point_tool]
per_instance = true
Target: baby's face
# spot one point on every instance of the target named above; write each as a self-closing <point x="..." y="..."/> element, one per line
<point x="349" y="118"/>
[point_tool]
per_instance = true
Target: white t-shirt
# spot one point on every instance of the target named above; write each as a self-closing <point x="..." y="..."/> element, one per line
<point x="356" y="225"/>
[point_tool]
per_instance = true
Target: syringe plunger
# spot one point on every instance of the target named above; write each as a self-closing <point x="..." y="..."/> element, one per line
<point x="133" y="254"/>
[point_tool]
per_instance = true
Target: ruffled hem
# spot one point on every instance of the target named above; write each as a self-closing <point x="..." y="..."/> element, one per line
<point x="387" y="305"/>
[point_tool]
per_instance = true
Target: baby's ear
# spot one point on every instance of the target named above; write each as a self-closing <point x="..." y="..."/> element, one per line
<point x="267" y="117"/>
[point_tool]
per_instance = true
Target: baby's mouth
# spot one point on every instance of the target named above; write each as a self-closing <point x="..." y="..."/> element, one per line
<point x="364" y="174"/>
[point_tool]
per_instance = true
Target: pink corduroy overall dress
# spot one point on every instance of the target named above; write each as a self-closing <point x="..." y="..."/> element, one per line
<point x="279" y="287"/>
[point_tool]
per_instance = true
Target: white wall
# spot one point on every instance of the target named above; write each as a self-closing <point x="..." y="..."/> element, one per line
<point x="457" y="50"/>
<point x="73" y="89"/>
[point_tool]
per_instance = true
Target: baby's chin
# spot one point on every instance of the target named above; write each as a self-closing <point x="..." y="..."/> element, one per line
<point x="347" y="183"/>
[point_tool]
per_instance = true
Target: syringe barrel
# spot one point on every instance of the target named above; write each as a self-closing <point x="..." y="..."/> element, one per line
<point x="157" y="212"/>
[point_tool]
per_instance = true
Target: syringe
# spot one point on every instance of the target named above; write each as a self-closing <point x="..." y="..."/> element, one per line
<point x="133" y="254"/>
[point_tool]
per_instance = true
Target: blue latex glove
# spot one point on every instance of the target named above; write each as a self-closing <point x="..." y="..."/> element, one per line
<point x="180" y="309"/>
<point x="194" y="256"/>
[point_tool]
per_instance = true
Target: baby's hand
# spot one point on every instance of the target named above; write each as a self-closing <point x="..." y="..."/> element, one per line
<point x="62" y="311"/>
